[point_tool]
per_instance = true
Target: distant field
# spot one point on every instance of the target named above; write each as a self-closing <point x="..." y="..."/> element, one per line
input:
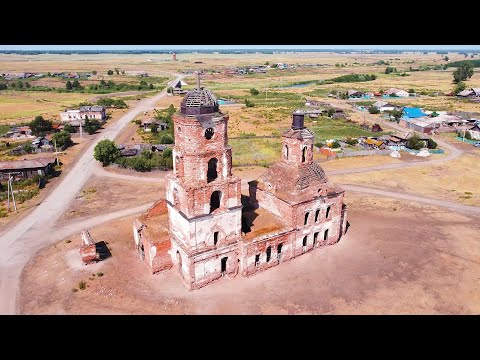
<point x="18" y="106"/>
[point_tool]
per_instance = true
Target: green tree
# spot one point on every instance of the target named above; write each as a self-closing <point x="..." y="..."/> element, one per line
<point x="27" y="85"/>
<point x="464" y="71"/>
<point x="94" y="72"/>
<point x="459" y="87"/>
<point x="68" y="85"/>
<point x="49" y="74"/>
<point x="91" y="126"/>
<point x="40" y="126"/>
<point x="397" y="114"/>
<point x="414" y="143"/>
<point x="446" y="58"/>
<point x="117" y="71"/>
<point x="28" y="148"/>
<point x="150" y="86"/>
<point x="267" y="63"/>
<point x="166" y="139"/>
<point x="76" y="84"/>
<point x="62" y="139"/>
<point x="411" y="91"/>
<point x="254" y="91"/>
<point x="169" y="89"/>
<point x="123" y="72"/>
<point x="3" y="86"/>
<point x="68" y="128"/>
<point x="468" y="136"/>
<point x="20" y="85"/>
<point x="373" y="110"/>
<point x="106" y="152"/>
<point x="390" y="69"/>
<point x="109" y="72"/>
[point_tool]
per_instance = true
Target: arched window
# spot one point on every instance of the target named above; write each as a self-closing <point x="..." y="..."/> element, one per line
<point x="212" y="170"/>
<point x="328" y="211"/>
<point x="315" y="237"/>
<point x="215" y="200"/>
<point x="304" y="154"/>
<point x="306" y="218"/>
<point x="325" y="235"/>
<point x="286" y="152"/>
<point x="215" y="238"/>
<point x="209" y="133"/>
<point x="316" y="214"/>
<point x="269" y="253"/>
<point x="175" y="197"/>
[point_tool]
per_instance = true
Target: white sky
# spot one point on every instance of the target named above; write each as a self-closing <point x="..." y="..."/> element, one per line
<point x="226" y="47"/>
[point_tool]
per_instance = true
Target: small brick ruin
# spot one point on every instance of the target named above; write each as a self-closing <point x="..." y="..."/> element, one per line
<point x="91" y="251"/>
<point x="206" y="229"/>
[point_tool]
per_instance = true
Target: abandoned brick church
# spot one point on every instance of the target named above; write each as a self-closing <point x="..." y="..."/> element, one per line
<point x="206" y="229"/>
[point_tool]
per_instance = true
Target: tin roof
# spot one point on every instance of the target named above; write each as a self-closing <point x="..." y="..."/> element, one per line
<point x="26" y="164"/>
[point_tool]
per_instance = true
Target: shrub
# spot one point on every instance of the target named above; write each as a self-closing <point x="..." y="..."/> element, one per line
<point x="373" y="110"/>
<point x="82" y="285"/>
<point x="249" y="103"/>
<point x="468" y="136"/>
<point x="99" y="274"/>
<point x="110" y="72"/>
<point x="432" y="144"/>
<point x="336" y="144"/>
<point x="254" y="91"/>
<point x="351" y="141"/>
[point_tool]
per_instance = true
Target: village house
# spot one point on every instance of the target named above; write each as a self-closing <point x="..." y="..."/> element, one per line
<point x="395" y="92"/>
<point x="412" y="113"/>
<point x="22" y="132"/>
<point x="205" y="231"/>
<point x="26" y="168"/>
<point x="475" y="132"/>
<point x="384" y="106"/>
<point x="352" y="94"/>
<point x="92" y="112"/>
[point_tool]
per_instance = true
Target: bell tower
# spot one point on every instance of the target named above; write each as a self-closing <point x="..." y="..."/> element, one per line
<point x="297" y="142"/>
<point x="203" y="197"/>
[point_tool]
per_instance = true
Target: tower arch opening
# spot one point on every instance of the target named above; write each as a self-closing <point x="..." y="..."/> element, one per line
<point x="286" y="151"/>
<point x="212" y="169"/>
<point x="215" y="199"/>
<point x="209" y="133"/>
<point x="304" y="154"/>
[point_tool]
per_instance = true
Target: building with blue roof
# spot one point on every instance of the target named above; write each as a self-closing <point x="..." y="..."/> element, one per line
<point x="412" y="113"/>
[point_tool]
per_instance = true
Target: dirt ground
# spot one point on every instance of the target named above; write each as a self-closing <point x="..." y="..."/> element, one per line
<point x="377" y="268"/>
<point x="99" y="193"/>
<point x="455" y="180"/>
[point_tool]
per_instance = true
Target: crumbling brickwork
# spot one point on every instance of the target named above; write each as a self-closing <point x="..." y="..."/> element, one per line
<point x="293" y="208"/>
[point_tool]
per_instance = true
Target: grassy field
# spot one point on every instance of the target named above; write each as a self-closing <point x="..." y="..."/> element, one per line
<point x="18" y="107"/>
<point x="251" y="151"/>
<point x="326" y="128"/>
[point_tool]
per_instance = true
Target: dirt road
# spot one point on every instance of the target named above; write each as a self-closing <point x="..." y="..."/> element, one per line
<point x="21" y="241"/>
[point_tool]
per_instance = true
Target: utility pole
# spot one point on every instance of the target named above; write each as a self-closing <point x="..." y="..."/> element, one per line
<point x="10" y="188"/>
<point x="56" y="151"/>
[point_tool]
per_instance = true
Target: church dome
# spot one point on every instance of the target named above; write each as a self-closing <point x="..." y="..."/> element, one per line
<point x="199" y="101"/>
